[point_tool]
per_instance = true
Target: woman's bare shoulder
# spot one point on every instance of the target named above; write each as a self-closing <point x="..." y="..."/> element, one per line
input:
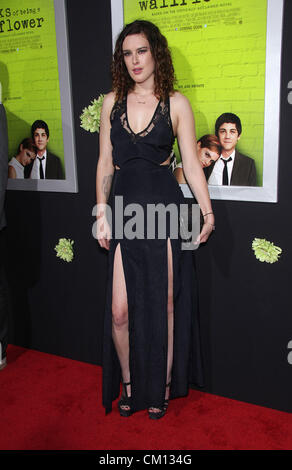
<point x="179" y="101"/>
<point x="109" y="100"/>
<point x="107" y="106"/>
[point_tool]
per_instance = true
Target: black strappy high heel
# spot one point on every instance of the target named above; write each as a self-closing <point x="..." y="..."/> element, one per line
<point x="125" y="401"/>
<point x="162" y="410"/>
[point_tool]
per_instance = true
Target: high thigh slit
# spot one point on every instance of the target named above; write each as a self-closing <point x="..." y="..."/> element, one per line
<point x="120" y="329"/>
<point x="141" y="179"/>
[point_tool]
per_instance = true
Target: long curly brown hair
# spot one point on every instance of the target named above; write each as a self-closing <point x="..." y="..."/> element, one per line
<point x="164" y="73"/>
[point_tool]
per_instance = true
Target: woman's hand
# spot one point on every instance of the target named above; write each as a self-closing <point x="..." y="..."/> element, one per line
<point x="207" y="228"/>
<point x="103" y="232"/>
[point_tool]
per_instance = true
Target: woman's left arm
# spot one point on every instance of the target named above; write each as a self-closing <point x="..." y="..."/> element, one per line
<point x="185" y="130"/>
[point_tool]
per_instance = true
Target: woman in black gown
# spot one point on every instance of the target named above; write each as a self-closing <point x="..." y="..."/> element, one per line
<point x="151" y="339"/>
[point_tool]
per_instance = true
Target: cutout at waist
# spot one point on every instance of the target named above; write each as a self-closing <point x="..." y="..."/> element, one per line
<point x="165" y="163"/>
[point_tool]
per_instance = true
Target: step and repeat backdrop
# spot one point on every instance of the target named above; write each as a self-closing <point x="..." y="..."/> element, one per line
<point x="244" y="304"/>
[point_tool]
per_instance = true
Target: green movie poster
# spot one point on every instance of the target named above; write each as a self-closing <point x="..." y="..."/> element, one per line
<point x="29" y="71"/>
<point x="219" y="53"/>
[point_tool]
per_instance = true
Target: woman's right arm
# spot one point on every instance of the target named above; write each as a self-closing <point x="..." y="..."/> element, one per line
<point x="104" y="172"/>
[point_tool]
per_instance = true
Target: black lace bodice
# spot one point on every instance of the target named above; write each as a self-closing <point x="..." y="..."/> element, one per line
<point x="154" y="143"/>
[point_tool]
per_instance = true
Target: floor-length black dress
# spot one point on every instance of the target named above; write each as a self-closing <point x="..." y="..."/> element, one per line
<point x="142" y="179"/>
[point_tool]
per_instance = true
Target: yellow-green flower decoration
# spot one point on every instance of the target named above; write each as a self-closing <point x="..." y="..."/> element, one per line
<point x="90" y="117"/>
<point x="266" y="251"/>
<point x="64" y="249"/>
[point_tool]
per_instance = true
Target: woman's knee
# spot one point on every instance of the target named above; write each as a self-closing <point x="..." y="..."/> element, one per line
<point x="120" y="317"/>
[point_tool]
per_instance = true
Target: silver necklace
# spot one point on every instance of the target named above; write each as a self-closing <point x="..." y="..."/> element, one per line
<point x="137" y="99"/>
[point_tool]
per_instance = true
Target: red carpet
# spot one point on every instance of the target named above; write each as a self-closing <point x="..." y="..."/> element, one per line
<point x="51" y="403"/>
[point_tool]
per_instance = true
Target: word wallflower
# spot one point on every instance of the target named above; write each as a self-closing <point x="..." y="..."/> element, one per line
<point x="64" y="249"/>
<point x="266" y="251"/>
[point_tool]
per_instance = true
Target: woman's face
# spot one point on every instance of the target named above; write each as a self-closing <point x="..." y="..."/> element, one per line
<point x="138" y="58"/>
<point x="26" y="156"/>
<point x="206" y="156"/>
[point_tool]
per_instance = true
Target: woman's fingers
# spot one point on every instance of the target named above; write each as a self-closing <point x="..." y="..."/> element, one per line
<point x="206" y="231"/>
<point x="103" y="233"/>
<point x="104" y="243"/>
<point x="107" y="244"/>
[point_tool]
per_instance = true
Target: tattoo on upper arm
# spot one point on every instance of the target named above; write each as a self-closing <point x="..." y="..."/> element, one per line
<point x="106" y="184"/>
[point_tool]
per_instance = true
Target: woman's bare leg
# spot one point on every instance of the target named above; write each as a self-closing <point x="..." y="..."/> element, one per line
<point x="120" y="329"/>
